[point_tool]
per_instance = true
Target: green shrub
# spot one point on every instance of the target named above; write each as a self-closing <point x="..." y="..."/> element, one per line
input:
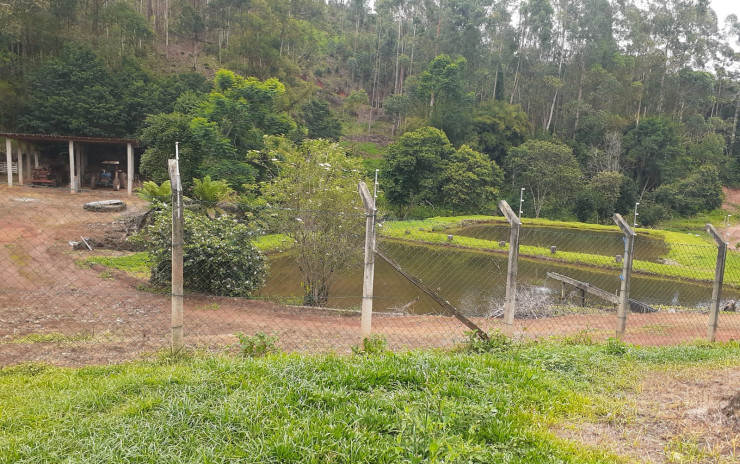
<point x="616" y="347"/>
<point x="218" y="255"/>
<point x="257" y="345"/>
<point x="496" y="343"/>
<point x="211" y="191"/>
<point x="374" y="344"/>
<point x="155" y="194"/>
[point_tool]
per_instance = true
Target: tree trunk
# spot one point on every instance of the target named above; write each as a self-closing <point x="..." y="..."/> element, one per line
<point x="734" y="121"/>
<point x="398" y="55"/>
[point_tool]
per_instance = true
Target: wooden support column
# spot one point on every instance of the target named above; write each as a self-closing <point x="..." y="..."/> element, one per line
<point x="369" y="273"/>
<point x="36" y="158"/>
<point x="719" y="275"/>
<point x="177" y="256"/>
<point x="78" y="167"/>
<point x="29" y="170"/>
<point x="71" y="149"/>
<point x="129" y="169"/>
<point x="513" y="268"/>
<point x="20" y="162"/>
<point x="624" y="291"/>
<point x="9" y="161"/>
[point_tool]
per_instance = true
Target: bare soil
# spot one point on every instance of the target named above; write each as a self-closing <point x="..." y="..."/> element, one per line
<point x="732" y="204"/>
<point x="674" y="417"/>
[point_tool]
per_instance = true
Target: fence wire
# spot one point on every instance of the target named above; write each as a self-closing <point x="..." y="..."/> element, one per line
<point x="77" y="287"/>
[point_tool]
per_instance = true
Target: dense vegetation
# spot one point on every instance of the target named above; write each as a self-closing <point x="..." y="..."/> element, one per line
<point x="410" y="407"/>
<point x="589" y="105"/>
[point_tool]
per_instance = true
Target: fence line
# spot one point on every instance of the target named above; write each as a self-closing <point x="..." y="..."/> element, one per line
<point x="257" y="268"/>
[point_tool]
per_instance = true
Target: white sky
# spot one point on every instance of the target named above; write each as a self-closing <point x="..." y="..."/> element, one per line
<point x="724" y="8"/>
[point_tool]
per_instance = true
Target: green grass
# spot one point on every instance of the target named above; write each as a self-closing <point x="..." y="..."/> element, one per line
<point x="273" y="243"/>
<point x="136" y="264"/>
<point x="53" y="337"/>
<point x="696" y="224"/>
<point x="410" y="407"/>
<point x="694" y="255"/>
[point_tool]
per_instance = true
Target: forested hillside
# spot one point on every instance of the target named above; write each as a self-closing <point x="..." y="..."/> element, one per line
<point x="590" y="105"/>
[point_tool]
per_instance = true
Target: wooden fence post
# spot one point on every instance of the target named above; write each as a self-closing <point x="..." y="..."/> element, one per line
<point x="513" y="268"/>
<point x="719" y="275"/>
<point x="177" y="251"/>
<point x="624" y="291"/>
<point x="369" y="273"/>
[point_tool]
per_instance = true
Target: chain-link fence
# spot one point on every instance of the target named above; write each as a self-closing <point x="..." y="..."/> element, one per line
<point x="93" y="285"/>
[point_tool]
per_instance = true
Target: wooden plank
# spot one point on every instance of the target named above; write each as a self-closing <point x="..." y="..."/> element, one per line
<point x="719" y="274"/>
<point x="585" y="286"/>
<point x="434" y="295"/>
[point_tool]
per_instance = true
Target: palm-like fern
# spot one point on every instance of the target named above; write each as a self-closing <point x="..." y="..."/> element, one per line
<point x="154" y="193"/>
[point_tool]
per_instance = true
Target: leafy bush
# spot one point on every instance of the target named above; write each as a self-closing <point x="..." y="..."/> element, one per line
<point x="218" y="255"/>
<point x="235" y="173"/>
<point x="374" y="344"/>
<point x="496" y="343"/>
<point x="257" y="345"/>
<point x="211" y="191"/>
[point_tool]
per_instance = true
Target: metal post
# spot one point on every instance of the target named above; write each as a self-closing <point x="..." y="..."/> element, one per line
<point x="521" y="202"/>
<point x="624" y="291"/>
<point x="636" y="214"/>
<point x="727" y="226"/>
<point x="177" y="252"/>
<point x="719" y="274"/>
<point x="369" y="273"/>
<point x="510" y="302"/>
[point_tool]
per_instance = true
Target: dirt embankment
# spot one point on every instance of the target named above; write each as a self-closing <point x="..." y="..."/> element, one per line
<point x="731" y="204"/>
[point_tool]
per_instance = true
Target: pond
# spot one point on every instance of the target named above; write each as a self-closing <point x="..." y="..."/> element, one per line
<point x="473" y="281"/>
<point x="604" y="243"/>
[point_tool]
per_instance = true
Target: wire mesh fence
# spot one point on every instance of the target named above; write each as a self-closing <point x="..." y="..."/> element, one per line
<point x="85" y="286"/>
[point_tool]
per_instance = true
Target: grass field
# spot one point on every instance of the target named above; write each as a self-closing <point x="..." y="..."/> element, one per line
<point x="494" y="407"/>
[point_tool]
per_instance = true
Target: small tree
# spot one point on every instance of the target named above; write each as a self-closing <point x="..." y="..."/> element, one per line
<point x="412" y="167"/>
<point x="319" y="208"/>
<point x="548" y="170"/>
<point x="469" y="180"/>
<point x="320" y="122"/>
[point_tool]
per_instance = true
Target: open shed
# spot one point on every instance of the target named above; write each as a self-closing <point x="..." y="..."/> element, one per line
<point x="70" y="160"/>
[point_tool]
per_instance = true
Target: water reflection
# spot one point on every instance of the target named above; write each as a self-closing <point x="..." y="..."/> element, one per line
<point x="473" y="281"/>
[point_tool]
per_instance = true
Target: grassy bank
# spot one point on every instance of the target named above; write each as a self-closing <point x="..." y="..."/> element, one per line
<point x="411" y="407"/>
<point x="689" y="256"/>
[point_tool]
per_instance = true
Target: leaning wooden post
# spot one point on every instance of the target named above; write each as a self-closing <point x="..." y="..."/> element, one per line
<point x="624" y="291"/>
<point x="510" y="302"/>
<point x="719" y="275"/>
<point x="177" y="250"/>
<point x="369" y="275"/>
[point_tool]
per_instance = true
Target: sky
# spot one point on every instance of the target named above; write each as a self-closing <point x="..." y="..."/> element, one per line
<point x="724" y="8"/>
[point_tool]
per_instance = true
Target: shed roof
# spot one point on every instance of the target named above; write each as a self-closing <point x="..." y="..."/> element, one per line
<point x="64" y="138"/>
